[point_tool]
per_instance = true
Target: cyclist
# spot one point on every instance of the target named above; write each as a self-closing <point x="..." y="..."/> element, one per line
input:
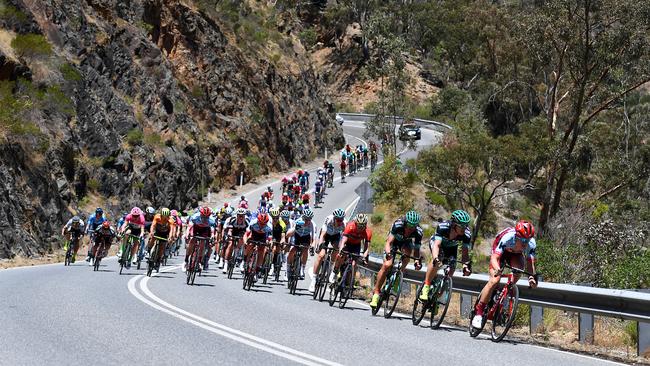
<point x="104" y="235"/>
<point x="162" y="226"/>
<point x="330" y="235"/>
<point x="149" y="214"/>
<point x="74" y="226"/>
<point x="200" y="224"/>
<point x="305" y="201"/>
<point x="235" y="226"/>
<point x="514" y="246"/>
<point x="134" y="222"/>
<point x="302" y="233"/>
<point x="285" y="181"/>
<point x="343" y="167"/>
<point x="179" y="228"/>
<point x="259" y="230"/>
<point x="355" y="232"/>
<point x="279" y="230"/>
<point x="405" y="235"/>
<point x="93" y="223"/>
<point x="227" y="214"/>
<point x="318" y="190"/>
<point x="243" y="203"/>
<point x="297" y="189"/>
<point x="444" y="245"/>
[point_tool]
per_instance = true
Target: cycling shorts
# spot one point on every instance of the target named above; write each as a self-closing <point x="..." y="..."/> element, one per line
<point x="135" y="231"/>
<point x="332" y="240"/>
<point x="516" y="260"/>
<point x="406" y="244"/>
<point x="302" y="240"/>
<point x="238" y="232"/>
<point x="449" y="253"/>
<point x="162" y="234"/>
<point x="353" y="248"/>
<point x="201" y="231"/>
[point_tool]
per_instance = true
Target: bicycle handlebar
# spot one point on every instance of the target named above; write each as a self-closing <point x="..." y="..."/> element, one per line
<point x="519" y="270"/>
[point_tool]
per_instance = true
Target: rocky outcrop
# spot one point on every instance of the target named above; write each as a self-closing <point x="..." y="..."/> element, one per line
<point x="165" y="104"/>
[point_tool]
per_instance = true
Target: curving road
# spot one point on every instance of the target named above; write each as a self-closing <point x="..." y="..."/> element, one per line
<point x="52" y="315"/>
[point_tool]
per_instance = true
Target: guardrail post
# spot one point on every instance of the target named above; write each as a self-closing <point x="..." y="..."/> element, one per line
<point x="465" y="305"/>
<point x="586" y="325"/>
<point x="643" y="336"/>
<point x="536" y="316"/>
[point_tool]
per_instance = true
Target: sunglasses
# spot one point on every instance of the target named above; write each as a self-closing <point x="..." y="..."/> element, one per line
<point x="523" y="240"/>
<point x="411" y="225"/>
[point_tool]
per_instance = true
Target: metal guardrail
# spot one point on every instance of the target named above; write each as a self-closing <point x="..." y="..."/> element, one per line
<point x="363" y="117"/>
<point x="622" y="304"/>
<point x="587" y="301"/>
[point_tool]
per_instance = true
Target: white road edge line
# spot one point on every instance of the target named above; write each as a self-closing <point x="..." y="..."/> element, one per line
<point x="219" y="329"/>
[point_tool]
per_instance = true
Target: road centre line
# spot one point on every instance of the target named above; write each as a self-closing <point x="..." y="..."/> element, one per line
<point x="220" y="329"/>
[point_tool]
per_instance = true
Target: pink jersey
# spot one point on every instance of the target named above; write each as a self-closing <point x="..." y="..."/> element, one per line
<point x="137" y="220"/>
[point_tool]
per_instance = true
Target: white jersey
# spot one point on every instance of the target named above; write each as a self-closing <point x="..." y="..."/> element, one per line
<point x="330" y="226"/>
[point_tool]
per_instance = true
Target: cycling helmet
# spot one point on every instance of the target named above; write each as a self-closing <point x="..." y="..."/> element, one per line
<point x="524" y="229"/>
<point x="269" y="189"/>
<point x="151" y="210"/>
<point x="228" y="211"/>
<point x="136" y="211"/>
<point x="308" y="214"/>
<point x="275" y="212"/>
<point x="205" y="211"/>
<point x="300" y="172"/>
<point x="106" y="225"/>
<point x="262" y="218"/>
<point x="460" y="217"/>
<point x="300" y="223"/>
<point x="412" y="218"/>
<point x="99" y="211"/>
<point x="225" y="204"/>
<point x="174" y="213"/>
<point x="241" y="211"/>
<point x="164" y="212"/>
<point x="262" y="210"/>
<point x="76" y="219"/>
<point x="285" y="214"/>
<point x="361" y="219"/>
<point x="339" y="213"/>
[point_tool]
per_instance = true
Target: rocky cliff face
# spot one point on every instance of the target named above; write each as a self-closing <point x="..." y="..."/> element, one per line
<point x="140" y="102"/>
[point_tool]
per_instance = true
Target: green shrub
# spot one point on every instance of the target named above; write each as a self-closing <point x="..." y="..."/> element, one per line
<point x="31" y="45"/>
<point x="11" y="13"/>
<point x="436" y="198"/>
<point x="275" y="58"/>
<point x="93" y="184"/>
<point x="145" y="26"/>
<point x="376" y="218"/>
<point x="135" y="137"/>
<point x="70" y="73"/>
<point x="153" y="139"/>
<point x="253" y="163"/>
<point x="308" y="37"/>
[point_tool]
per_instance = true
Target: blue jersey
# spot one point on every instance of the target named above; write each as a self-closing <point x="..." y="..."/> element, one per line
<point x="203" y="222"/>
<point x="94" y="222"/>
<point x="260" y="231"/>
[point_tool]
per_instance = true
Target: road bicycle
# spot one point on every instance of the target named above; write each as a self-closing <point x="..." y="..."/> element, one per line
<point x="250" y="266"/>
<point x="330" y="179"/>
<point x="322" y="277"/>
<point x="236" y="257"/>
<point x="100" y="252"/>
<point x="277" y="263"/>
<point x="343" y="286"/>
<point x="154" y="257"/>
<point x="293" y="269"/>
<point x="196" y="258"/>
<point x="439" y="296"/>
<point x="71" y="245"/>
<point x="127" y="246"/>
<point x="502" y="307"/>
<point x="392" y="289"/>
<point x="373" y="162"/>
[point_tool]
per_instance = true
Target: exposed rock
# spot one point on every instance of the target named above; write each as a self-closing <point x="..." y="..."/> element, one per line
<point x="165" y="107"/>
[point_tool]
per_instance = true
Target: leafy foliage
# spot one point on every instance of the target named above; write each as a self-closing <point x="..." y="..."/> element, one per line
<point x="31" y="46"/>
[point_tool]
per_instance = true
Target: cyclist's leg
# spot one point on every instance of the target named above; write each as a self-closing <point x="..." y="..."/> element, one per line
<point x="381" y="275"/>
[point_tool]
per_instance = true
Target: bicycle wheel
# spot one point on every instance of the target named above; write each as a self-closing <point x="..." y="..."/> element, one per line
<point x="151" y="263"/>
<point x="267" y="267"/>
<point x="334" y="292"/>
<point x="277" y="267"/>
<point x="324" y="280"/>
<point x="393" y="294"/>
<point x="419" y="307"/>
<point x="473" y="332"/>
<point x="231" y="267"/>
<point x="348" y="281"/>
<point x="441" y="302"/>
<point x="505" y="314"/>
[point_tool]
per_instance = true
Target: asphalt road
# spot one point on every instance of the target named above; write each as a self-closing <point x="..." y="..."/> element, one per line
<point x="56" y="315"/>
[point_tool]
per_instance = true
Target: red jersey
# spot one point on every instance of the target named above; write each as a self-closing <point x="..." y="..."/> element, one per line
<point x="354" y="235"/>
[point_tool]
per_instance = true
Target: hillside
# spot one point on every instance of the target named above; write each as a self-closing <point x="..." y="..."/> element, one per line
<point x="143" y="102"/>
